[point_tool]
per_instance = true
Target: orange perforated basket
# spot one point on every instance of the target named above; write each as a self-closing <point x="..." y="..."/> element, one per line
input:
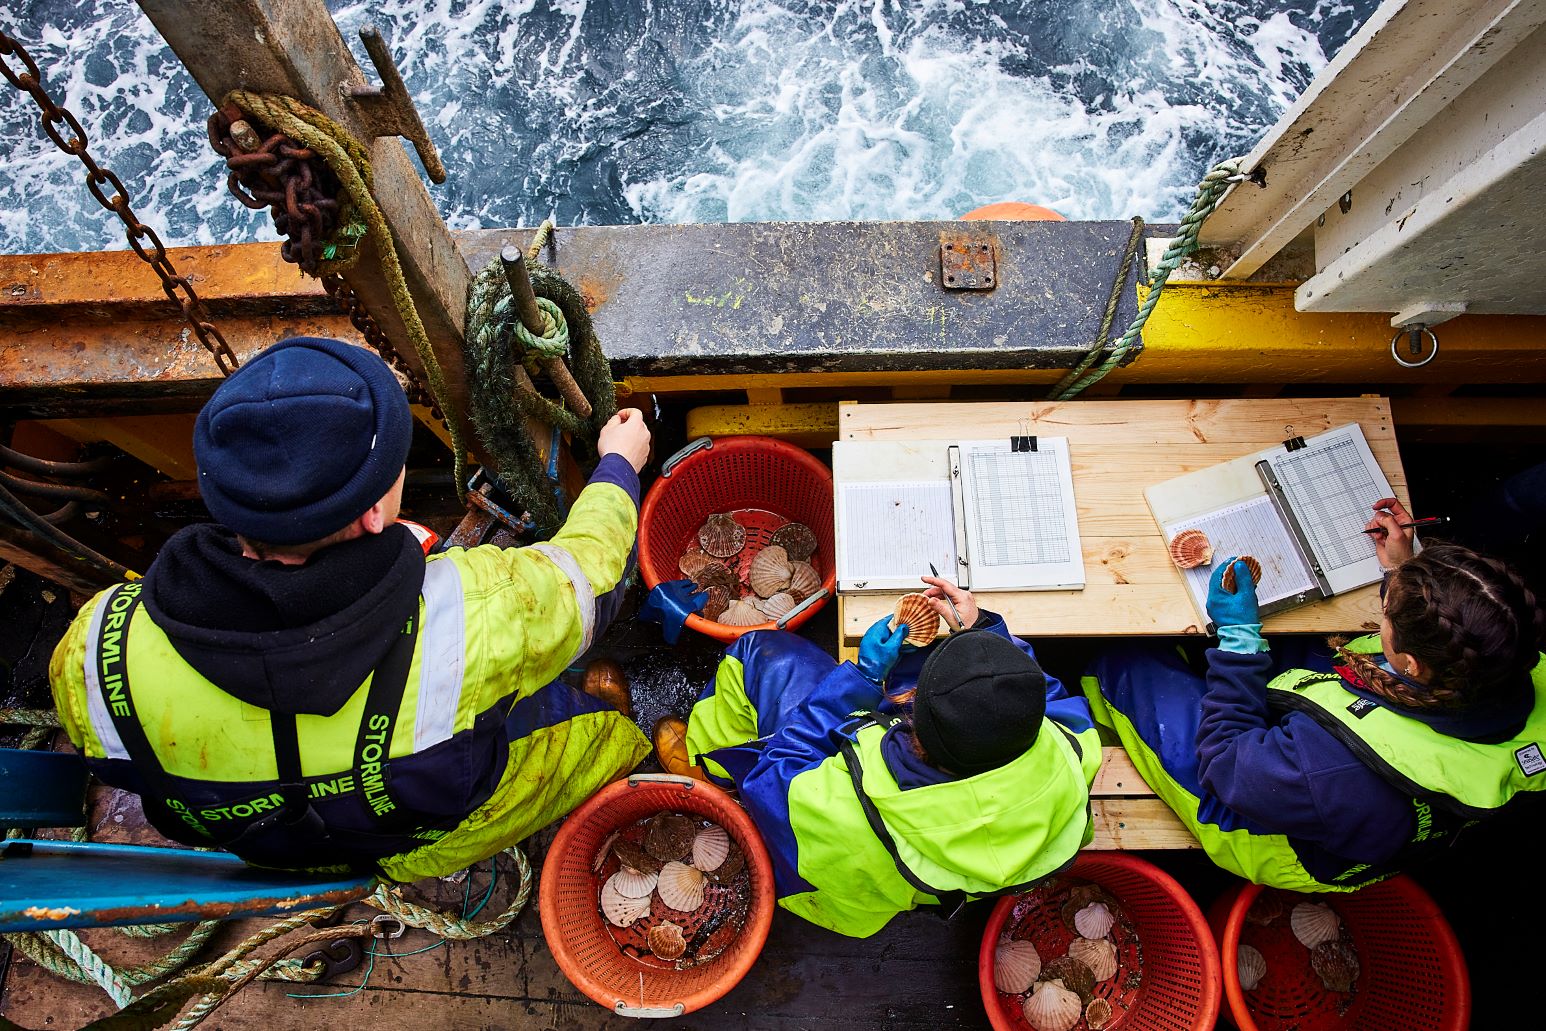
<point x="763" y="483"/>
<point x="1412" y="974"/>
<point x="1168" y="977"/>
<point x="576" y="931"/>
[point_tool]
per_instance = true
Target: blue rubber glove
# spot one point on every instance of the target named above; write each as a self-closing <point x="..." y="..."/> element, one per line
<point x="880" y="648"/>
<point x="669" y="604"/>
<point x="1236" y="615"/>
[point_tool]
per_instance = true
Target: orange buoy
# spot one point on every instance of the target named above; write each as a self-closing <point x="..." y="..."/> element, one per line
<point x="1012" y="210"/>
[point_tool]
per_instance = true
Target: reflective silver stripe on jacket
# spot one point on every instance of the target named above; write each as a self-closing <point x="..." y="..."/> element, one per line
<point x="442" y="654"/>
<point x="96" y="705"/>
<point x="584" y="593"/>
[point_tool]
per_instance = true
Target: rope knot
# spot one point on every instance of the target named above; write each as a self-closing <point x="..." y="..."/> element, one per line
<point x="554" y="341"/>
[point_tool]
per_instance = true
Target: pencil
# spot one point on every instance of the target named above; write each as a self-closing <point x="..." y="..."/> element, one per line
<point x="1426" y="521"/>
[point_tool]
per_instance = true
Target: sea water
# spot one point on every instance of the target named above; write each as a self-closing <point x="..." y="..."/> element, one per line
<point x="621" y="111"/>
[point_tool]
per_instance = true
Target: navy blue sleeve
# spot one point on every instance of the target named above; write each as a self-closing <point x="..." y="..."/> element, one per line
<point x="1072" y="711"/>
<point x="1291" y="776"/>
<point x="617" y="469"/>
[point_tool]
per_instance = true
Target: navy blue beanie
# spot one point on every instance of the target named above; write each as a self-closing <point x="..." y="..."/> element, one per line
<point x="301" y="440"/>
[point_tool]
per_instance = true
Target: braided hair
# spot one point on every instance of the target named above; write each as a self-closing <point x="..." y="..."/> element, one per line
<point x="1468" y="618"/>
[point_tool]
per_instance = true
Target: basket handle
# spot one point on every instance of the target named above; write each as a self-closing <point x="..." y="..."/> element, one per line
<point x="807" y="603"/>
<point x="698" y="445"/>
<point x="622" y="1009"/>
<point x="635" y="779"/>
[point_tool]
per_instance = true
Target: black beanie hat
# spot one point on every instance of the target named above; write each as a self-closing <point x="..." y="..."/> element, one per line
<point x="979" y="703"/>
<point x="301" y="440"/>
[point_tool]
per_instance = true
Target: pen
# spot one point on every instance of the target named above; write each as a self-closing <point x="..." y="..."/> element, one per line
<point x="960" y="624"/>
<point x="1427" y="521"/>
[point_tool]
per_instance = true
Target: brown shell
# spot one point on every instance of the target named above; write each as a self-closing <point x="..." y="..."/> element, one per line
<point x="796" y="539"/>
<point x="769" y="572"/>
<point x="719" y="600"/>
<point x="804" y="581"/>
<point x="1267" y="908"/>
<point x="1227" y="581"/>
<point x="715" y="574"/>
<point x="1336" y="965"/>
<point x="1076" y="977"/>
<point x="666" y="940"/>
<point x="742" y="613"/>
<point x="1190" y="549"/>
<point x="721" y="536"/>
<point x="778" y="606"/>
<point x="693" y="560"/>
<point x="921" y="619"/>
<point x="668" y="837"/>
<point x="633" y="855"/>
<point x="1098" y="1014"/>
<point x="734" y="863"/>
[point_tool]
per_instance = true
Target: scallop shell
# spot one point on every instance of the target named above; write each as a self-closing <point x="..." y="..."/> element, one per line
<point x="1094" y="920"/>
<point x="1227" y="581"/>
<point x="710" y="848"/>
<point x="1071" y="974"/>
<point x="1098" y="1014"/>
<point x="1335" y="964"/>
<point x="632" y="855"/>
<point x="1267" y="908"/>
<point x="921" y="619"/>
<point x="1314" y="922"/>
<point x="734" y="863"/>
<point x="778" y="606"/>
<point x="742" y="613"/>
<point x="669" y="836"/>
<point x="1190" y="549"/>
<point x="1079" y="896"/>
<point x="619" y="909"/>
<point x="796" y="539"/>
<point x="1015" y="966"/>
<point x="632" y="884"/>
<point x="1250" y="965"/>
<point x="1052" y="1008"/>
<point x="804" y="581"/>
<point x="692" y="561"/>
<point x="719" y="601"/>
<point x="681" y="887"/>
<point x="666" y="940"/>
<point x="769" y="572"/>
<point x="1096" y="953"/>
<point x="721" y="536"/>
<point x="716" y="574"/>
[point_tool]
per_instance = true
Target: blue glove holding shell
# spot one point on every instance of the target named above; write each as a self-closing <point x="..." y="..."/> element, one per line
<point x="1235" y="612"/>
<point x="880" y="648"/>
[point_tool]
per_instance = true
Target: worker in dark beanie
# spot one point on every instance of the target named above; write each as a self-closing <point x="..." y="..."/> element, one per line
<point x="906" y="778"/>
<point x="300" y="682"/>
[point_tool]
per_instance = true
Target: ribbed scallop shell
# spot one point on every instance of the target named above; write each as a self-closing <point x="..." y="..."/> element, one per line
<point x="1227" y="581"/>
<point x="804" y="581"/>
<point x="1267" y="908"/>
<point x="719" y="601"/>
<point x="710" y="848"/>
<point x="681" y="887"/>
<point x="1094" y="920"/>
<point x="632" y="854"/>
<point x="721" y="536"/>
<point x="715" y="573"/>
<point x="694" y="560"/>
<point x="619" y="909"/>
<point x="1052" y="1008"/>
<point x="1250" y="965"/>
<point x="633" y="884"/>
<point x="796" y="539"/>
<point x="769" y="572"/>
<point x="778" y="606"/>
<point x="666" y="940"/>
<point x="742" y="613"/>
<point x="734" y="863"/>
<point x="1335" y="964"/>
<point x="668" y="836"/>
<point x="1190" y="549"/>
<point x="1313" y="923"/>
<point x="921" y="619"/>
<point x="1015" y="966"/>
<point x="1096" y="953"/>
<point x="1072" y="975"/>
<point x="1098" y="1014"/>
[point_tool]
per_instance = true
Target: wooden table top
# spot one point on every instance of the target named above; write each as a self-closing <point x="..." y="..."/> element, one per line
<point x="1118" y="449"/>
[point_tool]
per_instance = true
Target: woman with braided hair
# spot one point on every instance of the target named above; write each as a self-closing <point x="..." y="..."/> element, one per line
<point x="1327" y="769"/>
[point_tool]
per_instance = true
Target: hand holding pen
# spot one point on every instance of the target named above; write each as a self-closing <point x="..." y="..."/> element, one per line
<point x="1392" y="531"/>
<point x="955" y="606"/>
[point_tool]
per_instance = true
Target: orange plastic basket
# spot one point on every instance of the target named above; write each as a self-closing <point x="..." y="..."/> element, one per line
<point x="763" y="483"/>
<point x="575" y="929"/>
<point x="1170" y="948"/>
<point x="1412" y="974"/>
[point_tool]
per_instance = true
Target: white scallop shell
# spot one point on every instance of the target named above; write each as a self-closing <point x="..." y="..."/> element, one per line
<point x="619" y="909"/>
<point x="681" y="887"/>
<point x="1314" y="922"/>
<point x="1251" y="966"/>
<point x="1052" y="1008"/>
<point x="1015" y="966"/>
<point x="804" y="581"/>
<point x="1094" y="920"/>
<point x="769" y="571"/>
<point x="778" y="606"/>
<point x="631" y="883"/>
<point x="1096" y="953"/>
<point x="742" y="613"/>
<point x="710" y="848"/>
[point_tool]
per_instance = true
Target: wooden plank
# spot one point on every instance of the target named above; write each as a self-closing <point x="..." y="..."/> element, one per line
<point x="1117" y="778"/>
<point x="1137" y="823"/>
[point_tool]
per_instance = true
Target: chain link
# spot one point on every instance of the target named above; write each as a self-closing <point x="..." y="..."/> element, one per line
<point x="177" y="287"/>
<point x="361" y="319"/>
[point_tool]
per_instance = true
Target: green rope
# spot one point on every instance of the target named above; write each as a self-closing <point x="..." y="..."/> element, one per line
<point x="1213" y="186"/>
<point x="29" y="717"/>
<point x="554" y="341"/>
<point x="390" y="900"/>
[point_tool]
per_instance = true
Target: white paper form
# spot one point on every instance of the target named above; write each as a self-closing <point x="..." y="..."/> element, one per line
<point x="892" y="530"/>
<point x="1249" y="528"/>
<point x="1331" y="484"/>
<point x="1022" y="526"/>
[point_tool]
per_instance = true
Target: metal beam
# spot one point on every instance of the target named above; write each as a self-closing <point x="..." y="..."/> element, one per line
<point x="1403" y="67"/>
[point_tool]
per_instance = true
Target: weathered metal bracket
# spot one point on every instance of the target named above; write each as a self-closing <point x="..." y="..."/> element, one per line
<point x="968" y="261"/>
<point x="387" y="110"/>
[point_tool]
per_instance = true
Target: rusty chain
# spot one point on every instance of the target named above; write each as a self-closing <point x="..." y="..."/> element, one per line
<point x="142" y="238"/>
<point x="361" y="319"/>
